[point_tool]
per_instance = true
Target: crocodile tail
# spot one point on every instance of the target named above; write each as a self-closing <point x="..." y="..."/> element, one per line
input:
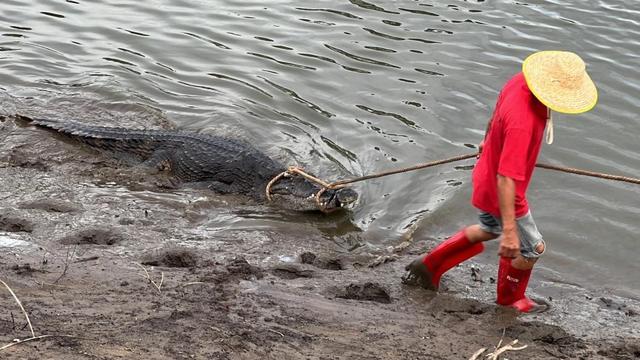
<point x="64" y="127"/>
<point x="55" y="125"/>
<point x="135" y="142"/>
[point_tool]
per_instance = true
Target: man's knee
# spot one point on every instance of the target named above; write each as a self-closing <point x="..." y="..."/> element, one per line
<point x="528" y="262"/>
<point x="475" y="234"/>
<point x="540" y="248"/>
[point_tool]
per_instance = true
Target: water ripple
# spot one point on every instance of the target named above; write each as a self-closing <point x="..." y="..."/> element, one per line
<point x="351" y="87"/>
<point x="341" y="13"/>
<point x="286" y="63"/>
<point x="360" y="58"/>
<point x="398" y="117"/>
<point x="299" y="99"/>
<point x="52" y="14"/>
<point x="229" y="78"/>
<point x="370" y="6"/>
<point x="215" y="43"/>
<point x="383" y="35"/>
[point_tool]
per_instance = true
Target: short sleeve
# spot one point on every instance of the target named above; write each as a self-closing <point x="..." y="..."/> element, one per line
<point x="513" y="159"/>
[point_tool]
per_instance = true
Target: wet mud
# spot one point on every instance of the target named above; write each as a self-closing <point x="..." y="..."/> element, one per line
<point x="111" y="272"/>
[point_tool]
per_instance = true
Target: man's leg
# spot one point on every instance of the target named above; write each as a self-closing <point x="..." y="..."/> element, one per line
<point x="427" y="270"/>
<point x="514" y="274"/>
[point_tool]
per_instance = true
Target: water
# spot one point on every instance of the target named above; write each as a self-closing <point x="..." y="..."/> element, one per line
<point x="353" y="87"/>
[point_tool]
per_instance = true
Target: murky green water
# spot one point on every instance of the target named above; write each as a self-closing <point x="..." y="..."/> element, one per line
<point x="352" y="87"/>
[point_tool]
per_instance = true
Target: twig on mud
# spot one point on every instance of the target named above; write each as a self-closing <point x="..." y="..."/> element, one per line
<point x="24" y="341"/>
<point x="193" y="283"/>
<point x="276" y="332"/>
<point x="33" y="334"/>
<point x="66" y="262"/>
<point x="43" y="284"/>
<point x="148" y="277"/>
<point x="509" y="347"/>
<point x="90" y="258"/>
<point x="498" y="350"/>
<point x="504" y="331"/>
<point x="477" y="354"/>
<point x="18" y="341"/>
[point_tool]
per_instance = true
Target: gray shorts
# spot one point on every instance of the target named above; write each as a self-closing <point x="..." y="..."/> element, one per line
<point x="528" y="232"/>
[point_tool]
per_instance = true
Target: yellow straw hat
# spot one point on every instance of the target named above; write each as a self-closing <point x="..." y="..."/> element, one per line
<point x="560" y="81"/>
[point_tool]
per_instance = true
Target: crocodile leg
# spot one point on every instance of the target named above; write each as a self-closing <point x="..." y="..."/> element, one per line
<point x="216" y="186"/>
<point x="159" y="161"/>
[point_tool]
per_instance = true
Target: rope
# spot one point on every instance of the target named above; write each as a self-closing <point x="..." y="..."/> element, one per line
<point x="341" y="183"/>
<point x="590" y="173"/>
<point x="468" y="156"/>
<point x="402" y="170"/>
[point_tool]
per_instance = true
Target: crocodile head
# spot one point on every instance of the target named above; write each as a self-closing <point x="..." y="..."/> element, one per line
<point x="295" y="192"/>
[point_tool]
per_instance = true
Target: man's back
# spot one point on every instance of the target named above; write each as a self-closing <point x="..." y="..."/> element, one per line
<point x="511" y="146"/>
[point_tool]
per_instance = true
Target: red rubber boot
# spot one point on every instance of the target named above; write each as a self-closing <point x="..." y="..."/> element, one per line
<point x="428" y="270"/>
<point x="512" y="284"/>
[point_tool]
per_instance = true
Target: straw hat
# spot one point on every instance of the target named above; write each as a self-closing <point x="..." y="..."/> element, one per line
<point x="560" y="81"/>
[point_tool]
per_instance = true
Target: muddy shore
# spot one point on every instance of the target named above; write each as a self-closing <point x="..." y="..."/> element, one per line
<point x="114" y="267"/>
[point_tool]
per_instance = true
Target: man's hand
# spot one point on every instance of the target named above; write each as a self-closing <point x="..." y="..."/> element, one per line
<point x="509" y="244"/>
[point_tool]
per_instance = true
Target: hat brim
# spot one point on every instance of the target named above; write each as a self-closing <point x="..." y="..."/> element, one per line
<point x="550" y="93"/>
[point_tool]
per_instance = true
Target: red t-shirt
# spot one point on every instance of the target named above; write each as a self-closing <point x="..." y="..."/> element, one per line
<point x="511" y="147"/>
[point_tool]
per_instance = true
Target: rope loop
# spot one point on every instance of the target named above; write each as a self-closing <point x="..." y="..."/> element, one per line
<point x="291" y="170"/>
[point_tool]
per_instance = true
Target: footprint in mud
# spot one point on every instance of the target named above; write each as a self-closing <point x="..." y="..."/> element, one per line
<point x="50" y="205"/>
<point x="322" y="261"/>
<point x="368" y="291"/>
<point x="616" y="305"/>
<point x="537" y="331"/>
<point x="15" y="224"/>
<point x="622" y="350"/>
<point x="26" y="269"/>
<point x="177" y="258"/>
<point x="96" y="236"/>
<point x="18" y="159"/>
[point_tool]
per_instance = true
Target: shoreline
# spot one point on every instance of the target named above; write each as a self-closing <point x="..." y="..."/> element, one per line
<point x="91" y="243"/>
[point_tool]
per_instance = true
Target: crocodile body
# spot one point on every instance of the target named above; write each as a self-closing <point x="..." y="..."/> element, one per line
<point x="222" y="164"/>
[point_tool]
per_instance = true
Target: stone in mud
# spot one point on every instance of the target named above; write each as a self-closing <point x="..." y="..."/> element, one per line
<point x="329" y="263"/>
<point x="15" y="224"/>
<point x="368" y="291"/>
<point x="96" y="236"/>
<point x="307" y="257"/>
<point x="240" y="266"/>
<point x="322" y="262"/>
<point x="179" y="258"/>
<point x="291" y="271"/>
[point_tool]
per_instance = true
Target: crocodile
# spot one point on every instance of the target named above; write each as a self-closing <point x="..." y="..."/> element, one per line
<point x="224" y="165"/>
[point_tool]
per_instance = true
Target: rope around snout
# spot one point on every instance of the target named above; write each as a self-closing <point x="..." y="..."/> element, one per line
<point x="342" y="183"/>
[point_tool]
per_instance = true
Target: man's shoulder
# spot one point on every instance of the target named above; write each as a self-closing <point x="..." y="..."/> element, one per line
<point x="515" y="90"/>
<point x="516" y="98"/>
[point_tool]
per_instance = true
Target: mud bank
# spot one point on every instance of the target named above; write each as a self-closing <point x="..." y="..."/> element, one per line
<point x="114" y="267"/>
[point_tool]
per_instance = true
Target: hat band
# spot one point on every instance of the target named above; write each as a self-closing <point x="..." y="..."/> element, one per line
<point x="549" y="127"/>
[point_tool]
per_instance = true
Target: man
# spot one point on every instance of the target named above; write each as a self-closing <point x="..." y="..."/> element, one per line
<point x="550" y="80"/>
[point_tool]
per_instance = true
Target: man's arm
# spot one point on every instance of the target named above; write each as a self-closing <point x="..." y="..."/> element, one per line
<point x="481" y="145"/>
<point x="510" y="243"/>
